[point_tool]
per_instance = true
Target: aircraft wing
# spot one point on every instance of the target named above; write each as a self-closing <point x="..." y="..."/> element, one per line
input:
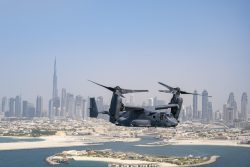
<point x="132" y="108"/>
<point x="166" y="106"/>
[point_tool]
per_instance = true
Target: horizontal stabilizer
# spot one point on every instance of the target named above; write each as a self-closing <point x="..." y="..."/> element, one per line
<point x="131" y="108"/>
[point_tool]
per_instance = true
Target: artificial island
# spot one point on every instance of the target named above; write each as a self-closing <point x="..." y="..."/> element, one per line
<point x="128" y="159"/>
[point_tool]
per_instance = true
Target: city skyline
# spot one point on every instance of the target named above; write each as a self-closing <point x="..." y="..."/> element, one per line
<point x="199" y="46"/>
<point x="68" y="105"/>
<point x="151" y="83"/>
<point x="57" y="98"/>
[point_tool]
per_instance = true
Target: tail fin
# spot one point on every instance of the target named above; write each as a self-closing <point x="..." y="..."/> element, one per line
<point x="115" y="107"/>
<point x="93" y="111"/>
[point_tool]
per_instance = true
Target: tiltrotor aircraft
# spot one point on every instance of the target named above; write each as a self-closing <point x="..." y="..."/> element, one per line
<point x="122" y="115"/>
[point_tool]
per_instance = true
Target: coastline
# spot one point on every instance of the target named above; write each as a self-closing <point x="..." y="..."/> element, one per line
<point x="47" y="142"/>
<point x="57" y="141"/>
<point x="69" y="141"/>
<point x="212" y="159"/>
<point x="119" y="161"/>
<point x="233" y="143"/>
<point x="229" y="143"/>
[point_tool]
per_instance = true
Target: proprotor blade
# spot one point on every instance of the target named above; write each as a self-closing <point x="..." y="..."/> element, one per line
<point x="109" y="88"/>
<point x="187" y="93"/>
<point x="125" y="91"/>
<point x="183" y="92"/>
<point x="165" y="91"/>
<point x="169" y="87"/>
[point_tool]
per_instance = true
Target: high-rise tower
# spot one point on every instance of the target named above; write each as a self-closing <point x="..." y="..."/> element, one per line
<point x="4" y="104"/>
<point x="205" y="116"/>
<point x="55" y="91"/>
<point x="63" y="102"/>
<point x="244" y="114"/>
<point x="18" y="106"/>
<point x="55" y="101"/>
<point x="11" y="112"/>
<point x="232" y="104"/>
<point x="39" y="106"/>
<point x="195" y="105"/>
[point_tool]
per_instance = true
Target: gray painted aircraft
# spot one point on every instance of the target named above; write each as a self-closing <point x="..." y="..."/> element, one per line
<point x="122" y="115"/>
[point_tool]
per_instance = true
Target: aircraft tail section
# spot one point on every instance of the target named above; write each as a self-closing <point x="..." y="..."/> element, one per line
<point x="115" y="107"/>
<point x="93" y="111"/>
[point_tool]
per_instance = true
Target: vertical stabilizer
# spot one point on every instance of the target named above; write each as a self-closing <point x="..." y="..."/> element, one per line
<point x="93" y="111"/>
<point x="115" y="108"/>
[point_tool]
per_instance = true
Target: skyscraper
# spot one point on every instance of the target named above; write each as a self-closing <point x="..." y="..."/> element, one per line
<point x="227" y="114"/>
<point x="4" y="104"/>
<point x="205" y="105"/>
<point x="84" y="109"/>
<point x="63" y="102"/>
<point x="70" y="106"/>
<point x="232" y="104"/>
<point x="55" y="91"/>
<point x="51" y="109"/>
<point x="11" y="112"/>
<point x="25" y="108"/>
<point x="195" y="105"/>
<point x="18" y="106"/>
<point x="54" y="109"/>
<point x="99" y="103"/>
<point x="78" y="107"/>
<point x="28" y="109"/>
<point x="217" y="115"/>
<point x="244" y="102"/>
<point x="189" y="114"/>
<point x="210" y="111"/>
<point x="39" y="106"/>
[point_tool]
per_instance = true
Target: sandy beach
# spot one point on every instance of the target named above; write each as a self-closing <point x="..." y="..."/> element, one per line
<point x="208" y="142"/>
<point x="197" y="142"/>
<point x="60" y="141"/>
<point x="47" y="142"/>
<point x="211" y="160"/>
<point x="119" y="161"/>
<point x="68" y="141"/>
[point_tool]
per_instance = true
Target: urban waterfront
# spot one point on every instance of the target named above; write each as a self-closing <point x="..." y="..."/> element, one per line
<point x="229" y="156"/>
<point x="159" y="82"/>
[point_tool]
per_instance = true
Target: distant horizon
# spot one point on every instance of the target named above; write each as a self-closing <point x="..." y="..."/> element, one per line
<point x="194" y="45"/>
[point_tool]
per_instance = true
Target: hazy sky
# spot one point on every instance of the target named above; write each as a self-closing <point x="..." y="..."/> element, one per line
<point x="202" y="44"/>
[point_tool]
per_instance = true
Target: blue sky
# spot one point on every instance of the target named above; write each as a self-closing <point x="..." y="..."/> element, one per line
<point x="196" y="44"/>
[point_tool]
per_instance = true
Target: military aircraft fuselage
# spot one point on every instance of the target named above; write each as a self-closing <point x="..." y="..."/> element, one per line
<point x="146" y="118"/>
